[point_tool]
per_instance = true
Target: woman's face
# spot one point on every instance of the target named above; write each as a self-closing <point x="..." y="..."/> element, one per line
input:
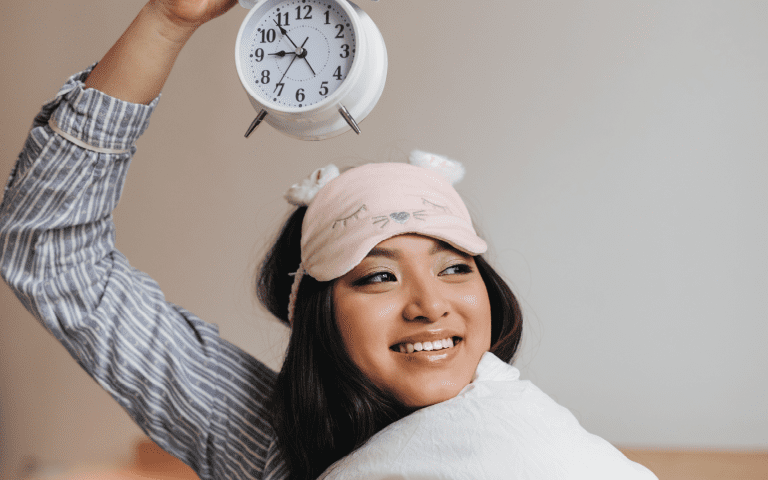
<point x="415" y="317"/>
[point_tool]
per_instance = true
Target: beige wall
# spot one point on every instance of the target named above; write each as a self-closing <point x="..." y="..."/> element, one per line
<point x="617" y="161"/>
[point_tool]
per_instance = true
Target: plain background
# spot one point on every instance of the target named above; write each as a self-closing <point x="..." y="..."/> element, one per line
<point x="617" y="159"/>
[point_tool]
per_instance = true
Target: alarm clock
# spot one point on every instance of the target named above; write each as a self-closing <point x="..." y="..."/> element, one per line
<point x="313" y="69"/>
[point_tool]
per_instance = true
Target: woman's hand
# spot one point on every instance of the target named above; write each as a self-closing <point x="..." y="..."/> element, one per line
<point x="192" y="13"/>
<point x="137" y="66"/>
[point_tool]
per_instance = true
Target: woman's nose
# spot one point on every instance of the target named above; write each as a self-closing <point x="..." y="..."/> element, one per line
<point x="426" y="300"/>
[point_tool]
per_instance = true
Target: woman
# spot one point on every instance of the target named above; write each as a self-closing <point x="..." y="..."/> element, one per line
<point x="357" y="257"/>
<point x="391" y="243"/>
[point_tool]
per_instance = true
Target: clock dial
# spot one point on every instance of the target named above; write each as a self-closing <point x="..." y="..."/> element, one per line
<point x="298" y="52"/>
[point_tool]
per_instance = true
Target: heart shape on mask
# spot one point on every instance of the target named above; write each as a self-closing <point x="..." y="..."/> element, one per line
<point x="400" y="217"/>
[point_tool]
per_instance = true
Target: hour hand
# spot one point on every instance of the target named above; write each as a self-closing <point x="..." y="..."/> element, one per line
<point x="283" y="53"/>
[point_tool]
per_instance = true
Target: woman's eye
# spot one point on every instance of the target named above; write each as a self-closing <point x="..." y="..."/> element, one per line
<point x="457" y="269"/>
<point x="379" y="277"/>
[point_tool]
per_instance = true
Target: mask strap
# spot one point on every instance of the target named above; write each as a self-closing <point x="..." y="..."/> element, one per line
<point x="297" y="276"/>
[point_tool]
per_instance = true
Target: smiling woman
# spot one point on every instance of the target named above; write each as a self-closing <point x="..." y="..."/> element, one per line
<point x="365" y="292"/>
<point x="401" y="333"/>
<point x="415" y="318"/>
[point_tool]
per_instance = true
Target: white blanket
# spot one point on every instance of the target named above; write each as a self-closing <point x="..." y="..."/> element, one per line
<point x="498" y="427"/>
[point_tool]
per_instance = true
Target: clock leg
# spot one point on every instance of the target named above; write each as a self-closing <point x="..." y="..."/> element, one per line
<point x="351" y="121"/>
<point x="256" y="122"/>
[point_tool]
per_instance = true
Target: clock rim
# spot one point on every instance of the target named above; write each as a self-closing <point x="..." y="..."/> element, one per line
<point x="332" y="100"/>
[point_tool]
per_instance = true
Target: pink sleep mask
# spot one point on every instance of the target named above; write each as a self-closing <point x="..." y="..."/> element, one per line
<point x="350" y="213"/>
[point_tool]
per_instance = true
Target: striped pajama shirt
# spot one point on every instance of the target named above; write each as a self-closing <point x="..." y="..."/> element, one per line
<point x="199" y="397"/>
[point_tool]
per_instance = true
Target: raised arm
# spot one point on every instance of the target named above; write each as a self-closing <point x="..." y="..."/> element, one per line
<point x="137" y="66"/>
<point x="196" y="395"/>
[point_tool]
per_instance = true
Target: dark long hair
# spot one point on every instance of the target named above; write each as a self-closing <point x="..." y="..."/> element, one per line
<point x="323" y="406"/>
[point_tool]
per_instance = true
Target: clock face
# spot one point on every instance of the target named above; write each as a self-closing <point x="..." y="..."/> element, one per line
<point x="295" y="53"/>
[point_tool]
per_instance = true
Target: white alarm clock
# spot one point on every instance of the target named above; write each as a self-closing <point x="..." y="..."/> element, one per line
<point x="312" y="69"/>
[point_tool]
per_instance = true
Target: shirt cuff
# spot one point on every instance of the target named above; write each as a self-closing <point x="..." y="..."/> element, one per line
<point x="94" y="118"/>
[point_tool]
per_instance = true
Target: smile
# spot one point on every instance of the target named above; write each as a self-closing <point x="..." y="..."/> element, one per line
<point x="443" y="344"/>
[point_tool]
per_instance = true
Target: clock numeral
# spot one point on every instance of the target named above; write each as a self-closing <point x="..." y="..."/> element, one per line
<point x="341" y="29"/>
<point x="300" y="95"/>
<point x="328" y="17"/>
<point x="337" y="73"/>
<point x="307" y="12"/>
<point x="265" y="76"/>
<point x="280" y="86"/>
<point x="324" y="88"/>
<point x="268" y="35"/>
<point x="259" y="54"/>
<point x="345" y="51"/>
<point x="280" y="17"/>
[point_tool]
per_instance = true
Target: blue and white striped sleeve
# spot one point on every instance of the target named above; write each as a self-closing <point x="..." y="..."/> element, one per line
<point x="199" y="397"/>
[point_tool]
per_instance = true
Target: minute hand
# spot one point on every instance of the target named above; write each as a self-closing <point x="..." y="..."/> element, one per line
<point x="285" y="33"/>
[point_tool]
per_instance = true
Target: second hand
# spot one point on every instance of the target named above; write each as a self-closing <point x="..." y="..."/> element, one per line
<point x="301" y="48"/>
<point x="300" y="51"/>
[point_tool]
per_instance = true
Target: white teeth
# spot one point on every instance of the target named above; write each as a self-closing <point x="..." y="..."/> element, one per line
<point x="425" y="346"/>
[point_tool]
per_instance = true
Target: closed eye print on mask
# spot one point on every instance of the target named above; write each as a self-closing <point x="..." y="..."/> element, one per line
<point x="354" y="216"/>
<point x="442" y="208"/>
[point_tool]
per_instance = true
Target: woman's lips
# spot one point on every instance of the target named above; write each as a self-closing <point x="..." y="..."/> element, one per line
<point x="426" y="346"/>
